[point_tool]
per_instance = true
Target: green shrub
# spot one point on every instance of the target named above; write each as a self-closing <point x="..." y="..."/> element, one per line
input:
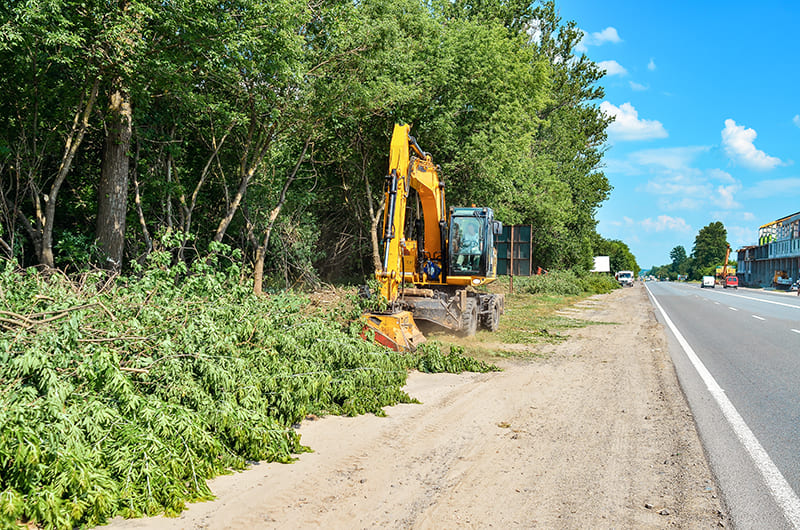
<point x="567" y="283"/>
<point x="598" y="283"/>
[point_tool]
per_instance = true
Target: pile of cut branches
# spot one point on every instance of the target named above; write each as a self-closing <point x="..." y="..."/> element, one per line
<point x="123" y="396"/>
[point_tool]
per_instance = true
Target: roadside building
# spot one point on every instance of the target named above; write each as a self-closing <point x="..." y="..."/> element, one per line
<point x="775" y="261"/>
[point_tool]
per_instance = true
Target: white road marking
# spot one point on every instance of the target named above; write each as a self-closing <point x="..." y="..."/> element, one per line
<point x="732" y="308"/>
<point x="781" y="490"/>
<point x="758" y="317"/>
<point x="796" y="330"/>
<point x="716" y="303"/>
<point x="762" y="300"/>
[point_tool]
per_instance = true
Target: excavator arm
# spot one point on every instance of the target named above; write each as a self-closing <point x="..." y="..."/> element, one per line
<point x="405" y="173"/>
<point x="431" y="275"/>
<point x="396" y="328"/>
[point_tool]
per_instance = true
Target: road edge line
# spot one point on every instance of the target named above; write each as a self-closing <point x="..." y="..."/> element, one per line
<point x="780" y="489"/>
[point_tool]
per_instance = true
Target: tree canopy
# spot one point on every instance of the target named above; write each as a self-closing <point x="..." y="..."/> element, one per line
<point x="265" y="126"/>
<point x="620" y="256"/>
<point x="710" y="245"/>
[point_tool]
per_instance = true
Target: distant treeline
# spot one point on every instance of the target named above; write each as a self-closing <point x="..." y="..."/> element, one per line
<point x="710" y="248"/>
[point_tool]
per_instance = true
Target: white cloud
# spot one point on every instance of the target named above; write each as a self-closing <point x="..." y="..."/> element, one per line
<point x="738" y="144"/>
<point x="693" y="190"/>
<point x="612" y="68"/>
<point x="651" y="65"/>
<point x="664" y="222"/>
<point x="597" y="38"/>
<point x="685" y="203"/>
<point x="607" y="35"/>
<point x="535" y="31"/>
<point x="774" y="188"/>
<point x="679" y="184"/>
<point x="628" y="126"/>
<point x="623" y="167"/>
<point x="740" y="236"/>
<point x="724" y="196"/>
<point x="675" y="158"/>
<point x="626" y="221"/>
<point x="718" y="174"/>
<point x="638" y="87"/>
<point x="796" y="119"/>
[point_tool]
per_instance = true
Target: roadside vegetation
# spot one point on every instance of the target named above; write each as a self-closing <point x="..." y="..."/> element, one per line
<point x="174" y="178"/>
<point x="121" y="124"/>
<point x="534" y="316"/>
<point x="122" y="395"/>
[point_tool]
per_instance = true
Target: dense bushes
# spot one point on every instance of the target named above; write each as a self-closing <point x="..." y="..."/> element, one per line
<point x="123" y="395"/>
<point x="568" y="283"/>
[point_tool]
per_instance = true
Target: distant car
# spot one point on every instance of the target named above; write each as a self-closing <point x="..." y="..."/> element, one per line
<point x="731" y="281"/>
<point x="708" y="281"/>
<point x="625" y="278"/>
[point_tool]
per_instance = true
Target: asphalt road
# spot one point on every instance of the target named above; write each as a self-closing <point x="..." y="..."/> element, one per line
<point x="737" y="355"/>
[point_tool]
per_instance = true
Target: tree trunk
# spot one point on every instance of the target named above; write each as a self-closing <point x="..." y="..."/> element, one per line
<point x="374" y="217"/>
<point x="137" y="200"/>
<point x="373" y="229"/>
<point x="43" y="238"/>
<point x="261" y="251"/>
<point x="113" y="192"/>
<point x="244" y="181"/>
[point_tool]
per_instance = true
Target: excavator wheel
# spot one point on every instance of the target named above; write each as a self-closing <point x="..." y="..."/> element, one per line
<point x="469" y="318"/>
<point x="491" y="319"/>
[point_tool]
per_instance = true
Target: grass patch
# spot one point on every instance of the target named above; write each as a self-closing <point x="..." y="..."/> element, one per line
<point x="528" y="328"/>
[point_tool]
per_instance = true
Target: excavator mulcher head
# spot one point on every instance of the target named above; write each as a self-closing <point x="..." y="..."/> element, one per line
<point x="397" y="331"/>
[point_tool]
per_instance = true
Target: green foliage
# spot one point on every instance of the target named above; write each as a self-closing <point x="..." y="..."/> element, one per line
<point x="221" y="105"/>
<point x="619" y="254"/>
<point x="123" y="395"/>
<point x="429" y="358"/>
<point x="567" y="283"/>
<point x="75" y="249"/>
<point x="369" y="298"/>
<point x="678" y="256"/>
<point x="597" y="283"/>
<point x="709" y="249"/>
<point x="710" y="245"/>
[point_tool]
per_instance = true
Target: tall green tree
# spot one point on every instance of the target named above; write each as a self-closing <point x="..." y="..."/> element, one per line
<point x="232" y="133"/>
<point x="51" y="77"/>
<point x="710" y="245"/>
<point x="678" y="256"/>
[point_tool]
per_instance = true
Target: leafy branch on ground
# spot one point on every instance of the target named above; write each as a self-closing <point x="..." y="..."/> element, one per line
<point x="123" y="395"/>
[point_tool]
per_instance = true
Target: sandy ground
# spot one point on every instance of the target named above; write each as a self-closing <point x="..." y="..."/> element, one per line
<point x="596" y="434"/>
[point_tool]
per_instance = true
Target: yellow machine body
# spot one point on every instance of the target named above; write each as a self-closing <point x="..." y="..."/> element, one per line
<point x="418" y="276"/>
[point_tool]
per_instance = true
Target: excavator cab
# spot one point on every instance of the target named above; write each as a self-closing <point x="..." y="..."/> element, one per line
<point x="471" y="243"/>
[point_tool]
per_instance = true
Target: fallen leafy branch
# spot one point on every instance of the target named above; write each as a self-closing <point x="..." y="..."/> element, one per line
<point x="131" y="412"/>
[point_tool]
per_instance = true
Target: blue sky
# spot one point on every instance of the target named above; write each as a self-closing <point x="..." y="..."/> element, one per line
<point x="705" y="95"/>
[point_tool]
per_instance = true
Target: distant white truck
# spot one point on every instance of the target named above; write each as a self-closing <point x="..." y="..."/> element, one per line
<point x="625" y="278"/>
<point x="708" y="281"/>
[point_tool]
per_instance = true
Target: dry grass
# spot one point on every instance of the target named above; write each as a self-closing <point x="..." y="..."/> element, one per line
<point x="527" y="329"/>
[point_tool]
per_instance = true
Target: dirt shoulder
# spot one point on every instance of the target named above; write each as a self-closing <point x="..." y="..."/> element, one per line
<point x="595" y="434"/>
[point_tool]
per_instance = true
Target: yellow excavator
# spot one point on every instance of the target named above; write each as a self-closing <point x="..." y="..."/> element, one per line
<point x="433" y="258"/>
